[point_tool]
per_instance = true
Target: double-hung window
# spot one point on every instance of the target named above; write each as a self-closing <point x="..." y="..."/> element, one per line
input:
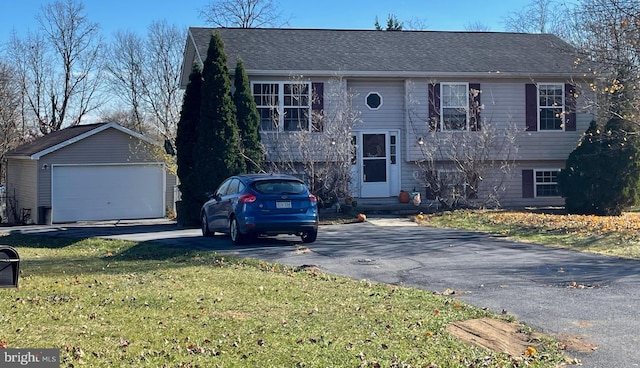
<point x="551" y="106"/>
<point x="283" y="106"/>
<point x="546" y="183"/>
<point x="455" y="106"/>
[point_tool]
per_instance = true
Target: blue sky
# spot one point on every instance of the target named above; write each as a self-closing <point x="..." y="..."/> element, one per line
<point x="136" y="15"/>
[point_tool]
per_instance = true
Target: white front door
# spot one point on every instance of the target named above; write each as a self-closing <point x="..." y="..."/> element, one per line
<point x="373" y="164"/>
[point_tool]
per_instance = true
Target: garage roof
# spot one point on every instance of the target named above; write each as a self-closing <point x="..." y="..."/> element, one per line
<point x="64" y="137"/>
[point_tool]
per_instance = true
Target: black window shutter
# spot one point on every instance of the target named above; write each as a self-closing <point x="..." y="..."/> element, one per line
<point x="531" y="103"/>
<point x="570" y="108"/>
<point x="527" y="184"/>
<point x="317" y="106"/>
<point x="434" y="107"/>
<point x="474" y="104"/>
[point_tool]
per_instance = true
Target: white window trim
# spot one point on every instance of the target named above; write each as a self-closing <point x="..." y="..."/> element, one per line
<point x="281" y="106"/>
<point x="535" y="183"/>
<point x="564" y="104"/>
<point x="442" y="107"/>
<point x="367" y="97"/>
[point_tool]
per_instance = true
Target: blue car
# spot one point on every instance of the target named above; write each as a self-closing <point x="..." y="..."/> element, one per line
<point x="246" y="206"/>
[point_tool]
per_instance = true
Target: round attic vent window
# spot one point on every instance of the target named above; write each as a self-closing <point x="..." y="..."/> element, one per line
<point x="374" y="100"/>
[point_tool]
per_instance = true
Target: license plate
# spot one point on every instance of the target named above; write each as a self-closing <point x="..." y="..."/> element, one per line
<point x="283" y="204"/>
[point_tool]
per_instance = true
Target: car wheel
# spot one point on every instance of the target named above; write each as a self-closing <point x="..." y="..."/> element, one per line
<point x="309" y="236"/>
<point x="205" y="227"/>
<point x="237" y="237"/>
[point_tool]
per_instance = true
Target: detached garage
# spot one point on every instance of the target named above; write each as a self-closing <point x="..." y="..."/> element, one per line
<point x="88" y="173"/>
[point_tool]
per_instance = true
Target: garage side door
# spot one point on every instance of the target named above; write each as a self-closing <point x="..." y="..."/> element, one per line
<point x="107" y="192"/>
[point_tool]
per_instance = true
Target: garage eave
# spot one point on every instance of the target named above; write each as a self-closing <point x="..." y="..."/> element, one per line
<point x="101" y="128"/>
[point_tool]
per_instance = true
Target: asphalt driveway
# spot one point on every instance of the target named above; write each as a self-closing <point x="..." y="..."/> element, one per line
<point x="588" y="299"/>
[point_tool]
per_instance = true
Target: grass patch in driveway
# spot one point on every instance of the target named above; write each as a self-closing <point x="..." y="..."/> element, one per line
<point x="109" y="303"/>
<point x="609" y="235"/>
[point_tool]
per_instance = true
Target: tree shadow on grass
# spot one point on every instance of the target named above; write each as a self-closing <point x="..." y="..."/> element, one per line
<point x="129" y="257"/>
<point x="18" y="240"/>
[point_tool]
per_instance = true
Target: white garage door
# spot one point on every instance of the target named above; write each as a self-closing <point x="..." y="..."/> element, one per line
<point x="106" y="192"/>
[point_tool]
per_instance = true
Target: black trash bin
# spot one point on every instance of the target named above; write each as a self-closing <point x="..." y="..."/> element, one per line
<point x="9" y="265"/>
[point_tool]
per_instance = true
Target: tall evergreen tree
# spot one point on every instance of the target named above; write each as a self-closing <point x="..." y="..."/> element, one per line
<point x="248" y="120"/>
<point x="186" y="137"/>
<point x="622" y="176"/>
<point x="622" y="148"/>
<point x="580" y="182"/>
<point x="218" y="144"/>
<point x="602" y="175"/>
<point x="393" y="24"/>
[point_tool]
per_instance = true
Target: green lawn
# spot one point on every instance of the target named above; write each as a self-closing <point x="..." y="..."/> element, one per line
<point x="109" y="303"/>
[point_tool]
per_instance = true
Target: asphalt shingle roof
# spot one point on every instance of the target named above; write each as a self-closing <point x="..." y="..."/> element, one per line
<point x="52" y="139"/>
<point x="388" y="52"/>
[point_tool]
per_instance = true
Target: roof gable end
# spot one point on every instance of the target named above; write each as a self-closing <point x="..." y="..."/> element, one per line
<point x="65" y="137"/>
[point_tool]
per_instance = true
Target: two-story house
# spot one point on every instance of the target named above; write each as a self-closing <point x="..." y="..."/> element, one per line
<point x="420" y="94"/>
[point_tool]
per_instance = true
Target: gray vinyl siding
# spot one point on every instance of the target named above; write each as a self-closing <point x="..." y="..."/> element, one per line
<point x="391" y="114"/>
<point x="504" y="108"/>
<point x="408" y="178"/>
<point x="511" y="196"/>
<point x="22" y="177"/>
<point x="171" y="181"/>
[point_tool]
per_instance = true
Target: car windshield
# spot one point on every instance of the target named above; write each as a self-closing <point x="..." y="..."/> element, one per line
<point x="279" y="187"/>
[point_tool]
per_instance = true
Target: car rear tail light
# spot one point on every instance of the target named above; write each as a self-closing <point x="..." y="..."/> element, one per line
<point x="247" y="198"/>
<point x="313" y="198"/>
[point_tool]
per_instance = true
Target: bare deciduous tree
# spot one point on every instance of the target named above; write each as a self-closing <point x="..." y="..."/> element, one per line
<point x="416" y="24"/>
<point x="477" y="27"/>
<point x="125" y="78"/>
<point x="463" y="168"/>
<point x="540" y="16"/>
<point x="144" y="73"/>
<point x="243" y="14"/>
<point x="321" y="154"/>
<point x="162" y="77"/>
<point x="610" y="35"/>
<point x="10" y="128"/>
<point x="59" y="66"/>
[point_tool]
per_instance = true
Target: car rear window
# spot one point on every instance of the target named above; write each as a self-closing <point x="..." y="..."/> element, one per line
<point x="279" y="187"/>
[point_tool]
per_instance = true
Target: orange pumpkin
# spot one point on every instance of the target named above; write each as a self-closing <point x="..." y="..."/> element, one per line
<point x="362" y="217"/>
<point x="403" y="197"/>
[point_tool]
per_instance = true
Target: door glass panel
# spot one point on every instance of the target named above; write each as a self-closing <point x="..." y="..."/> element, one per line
<point x="374" y="158"/>
<point x="375" y="171"/>
<point x="373" y="145"/>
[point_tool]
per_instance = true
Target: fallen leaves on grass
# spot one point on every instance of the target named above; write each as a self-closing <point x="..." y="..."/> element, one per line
<point x="628" y="222"/>
<point x="610" y="235"/>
